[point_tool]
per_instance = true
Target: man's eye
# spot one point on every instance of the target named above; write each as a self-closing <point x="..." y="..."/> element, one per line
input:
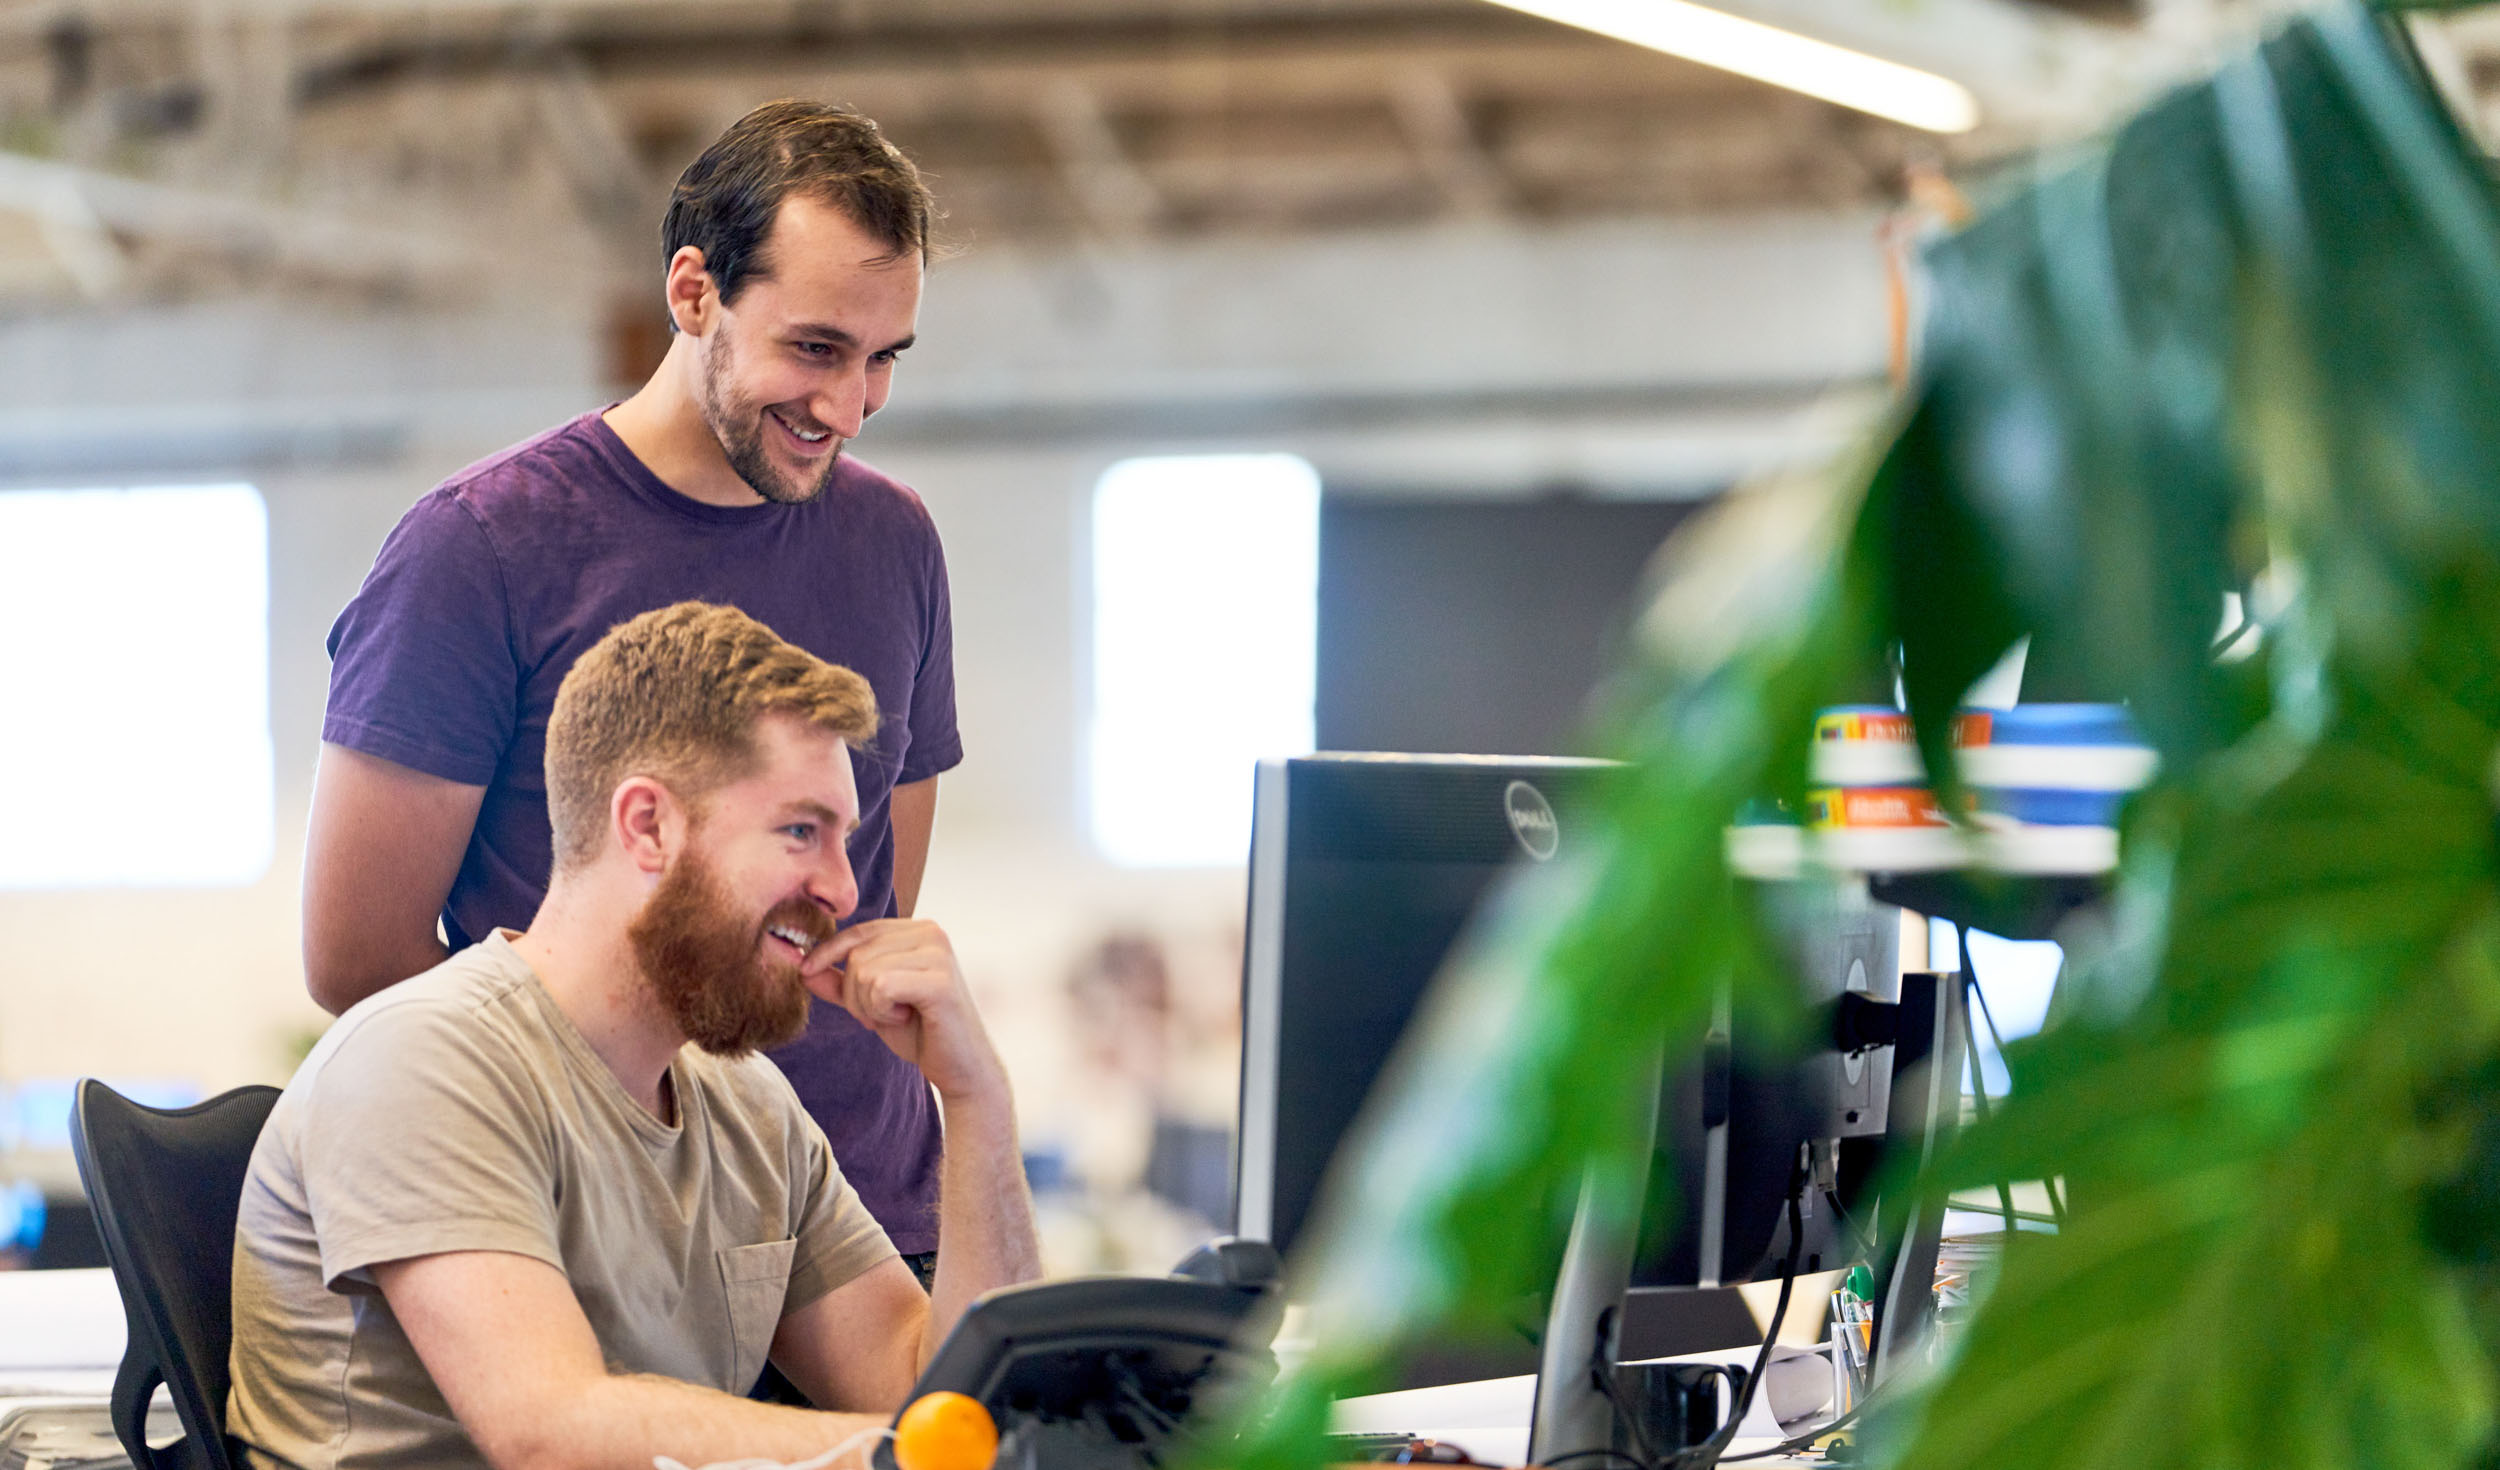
<point x="803" y="831"/>
<point x="885" y="359"/>
<point x="817" y="349"/>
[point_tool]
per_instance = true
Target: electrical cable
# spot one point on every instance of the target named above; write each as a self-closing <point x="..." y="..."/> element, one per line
<point x="1132" y="1391"/>
<point x="1602" y="1375"/>
<point x="1978" y="1073"/>
<point x="2027" y="1217"/>
<point x="1860" y="1242"/>
<point x="1706" y="1454"/>
<point x="2057" y="1205"/>
<point x="1996" y="1038"/>
<point x="2247" y="625"/>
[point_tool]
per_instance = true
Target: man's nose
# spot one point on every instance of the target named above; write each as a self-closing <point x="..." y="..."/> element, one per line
<point x="842" y="405"/>
<point x="835" y="885"/>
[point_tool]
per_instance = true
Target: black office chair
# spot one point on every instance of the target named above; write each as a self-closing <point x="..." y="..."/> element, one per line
<point x="164" y="1186"/>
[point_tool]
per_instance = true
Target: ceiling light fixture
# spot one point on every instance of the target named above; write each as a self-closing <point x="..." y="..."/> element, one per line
<point x="1769" y="54"/>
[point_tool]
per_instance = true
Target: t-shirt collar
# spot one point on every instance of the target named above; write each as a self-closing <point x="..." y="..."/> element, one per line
<point x="577" y="1048"/>
<point x="650" y="488"/>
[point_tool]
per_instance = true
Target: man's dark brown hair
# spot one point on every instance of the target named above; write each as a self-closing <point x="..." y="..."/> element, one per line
<point x="725" y="201"/>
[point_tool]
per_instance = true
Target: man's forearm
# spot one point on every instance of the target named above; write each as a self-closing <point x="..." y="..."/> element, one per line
<point x="985" y="1214"/>
<point x="622" y="1422"/>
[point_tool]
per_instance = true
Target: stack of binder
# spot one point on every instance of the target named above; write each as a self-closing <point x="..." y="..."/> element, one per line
<point x="2044" y="787"/>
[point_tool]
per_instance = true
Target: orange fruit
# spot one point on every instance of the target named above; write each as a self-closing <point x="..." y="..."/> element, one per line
<point x="945" y="1431"/>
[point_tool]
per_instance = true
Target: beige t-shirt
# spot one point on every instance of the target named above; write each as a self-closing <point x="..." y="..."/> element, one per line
<point x="461" y="1111"/>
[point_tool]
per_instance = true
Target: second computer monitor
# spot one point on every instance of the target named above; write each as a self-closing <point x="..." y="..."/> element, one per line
<point x="1365" y="870"/>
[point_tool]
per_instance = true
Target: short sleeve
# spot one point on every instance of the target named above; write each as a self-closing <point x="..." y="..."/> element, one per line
<point x="935" y="746"/>
<point x="838" y="1239"/>
<point x="421" y="1135"/>
<point x="423" y="672"/>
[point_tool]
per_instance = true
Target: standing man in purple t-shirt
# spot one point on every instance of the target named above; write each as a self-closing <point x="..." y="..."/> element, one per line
<point x="794" y="248"/>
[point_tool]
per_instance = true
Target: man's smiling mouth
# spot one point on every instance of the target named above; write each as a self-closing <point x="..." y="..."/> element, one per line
<point x="794" y="937"/>
<point x="818" y="437"/>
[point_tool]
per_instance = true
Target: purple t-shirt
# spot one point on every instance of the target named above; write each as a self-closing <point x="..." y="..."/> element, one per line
<point x="448" y="659"/>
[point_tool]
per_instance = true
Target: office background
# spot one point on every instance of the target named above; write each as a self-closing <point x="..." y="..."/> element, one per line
<point x="1506" y="286"/>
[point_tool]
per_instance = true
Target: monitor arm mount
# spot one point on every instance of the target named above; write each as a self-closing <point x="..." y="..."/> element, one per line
<point x="1574" y="1412"/>
<point x="1575" y="1402"/>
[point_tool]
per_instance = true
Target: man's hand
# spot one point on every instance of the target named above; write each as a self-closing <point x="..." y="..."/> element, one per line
<point x="900" y="979"/>
<point x="381" y="847"/>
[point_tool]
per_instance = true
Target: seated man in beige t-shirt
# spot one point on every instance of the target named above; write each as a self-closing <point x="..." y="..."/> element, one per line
<point x="544" y="1205"/>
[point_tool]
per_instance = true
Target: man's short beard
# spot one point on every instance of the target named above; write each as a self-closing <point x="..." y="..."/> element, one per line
<point x="740" y="429"/>
<point x="706" y="968"/>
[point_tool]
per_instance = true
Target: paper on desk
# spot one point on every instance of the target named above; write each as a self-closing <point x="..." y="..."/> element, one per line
<point x="56" y="1320"/>
<point x="50" y="1383"/>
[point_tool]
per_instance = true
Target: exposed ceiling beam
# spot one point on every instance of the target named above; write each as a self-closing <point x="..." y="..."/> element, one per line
<point x="1445" y="143"/>
<point x="93" y="205"/>
<point x="1558" y="65"/>
<point x="2036" y="70"/>
<point x="592" y="148"/>
<point x="1117" y="196"/>
<point x="621" y="44"/>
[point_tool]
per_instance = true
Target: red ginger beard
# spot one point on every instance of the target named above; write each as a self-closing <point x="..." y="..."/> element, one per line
<point x="706" y="967"/>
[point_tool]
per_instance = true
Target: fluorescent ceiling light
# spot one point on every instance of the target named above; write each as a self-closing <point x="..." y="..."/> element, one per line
<point x="1769" y="54"/>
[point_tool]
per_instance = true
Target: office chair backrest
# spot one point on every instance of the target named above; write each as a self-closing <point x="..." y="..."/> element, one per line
<point x="164" y="1186"/>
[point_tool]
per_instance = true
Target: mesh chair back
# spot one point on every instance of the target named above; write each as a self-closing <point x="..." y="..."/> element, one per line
<point x="164" y="1185"/>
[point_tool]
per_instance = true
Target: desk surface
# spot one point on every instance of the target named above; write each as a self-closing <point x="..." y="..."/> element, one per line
<point x="1489" y="1419"/>
<point x="60" y="1331"/>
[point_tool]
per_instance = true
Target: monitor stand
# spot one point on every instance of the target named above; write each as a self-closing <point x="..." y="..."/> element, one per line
<point x="1926" y="1106"/>
<point x="1584" y="1328"/>
<point x="1573" y="1414"/>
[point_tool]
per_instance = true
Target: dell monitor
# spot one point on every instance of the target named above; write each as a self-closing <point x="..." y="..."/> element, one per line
<point x="1365" y="870"/>
<point x="1364" y="873"/>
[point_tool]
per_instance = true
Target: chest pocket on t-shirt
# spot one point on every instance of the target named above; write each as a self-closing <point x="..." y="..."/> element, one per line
<point x="756" y="1279"/>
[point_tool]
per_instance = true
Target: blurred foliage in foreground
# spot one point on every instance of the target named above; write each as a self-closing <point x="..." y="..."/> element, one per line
<point x="2250" y="341"/>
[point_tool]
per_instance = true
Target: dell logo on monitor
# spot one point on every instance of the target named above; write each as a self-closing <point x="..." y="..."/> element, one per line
<point x="1531" y="819"/>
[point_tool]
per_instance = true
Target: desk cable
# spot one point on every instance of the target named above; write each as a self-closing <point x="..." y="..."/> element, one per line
<point x="1711" y="1451"/>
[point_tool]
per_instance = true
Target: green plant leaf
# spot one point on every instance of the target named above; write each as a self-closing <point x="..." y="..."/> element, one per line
<point x="2253" y="335"/>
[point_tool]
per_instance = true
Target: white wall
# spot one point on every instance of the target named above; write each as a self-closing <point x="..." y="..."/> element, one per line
<point x="207" y="985"/>
<point x="1626" y="358"/>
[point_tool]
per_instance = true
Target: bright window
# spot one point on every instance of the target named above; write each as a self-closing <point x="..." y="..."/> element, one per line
<point x="2016" y="976"/>
<point x="134" y="671"/>
<point x="1206" y="588"/>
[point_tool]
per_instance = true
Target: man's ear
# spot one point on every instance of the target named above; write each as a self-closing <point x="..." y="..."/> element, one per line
<point x="693" y="297"/>
<point x="647" y="821"/>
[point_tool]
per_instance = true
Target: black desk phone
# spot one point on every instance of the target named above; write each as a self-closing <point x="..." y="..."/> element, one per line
<point x="1103" y="1372"/>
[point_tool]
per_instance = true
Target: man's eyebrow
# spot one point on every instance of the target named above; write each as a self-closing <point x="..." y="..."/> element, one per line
<point x="846" y="337"/>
